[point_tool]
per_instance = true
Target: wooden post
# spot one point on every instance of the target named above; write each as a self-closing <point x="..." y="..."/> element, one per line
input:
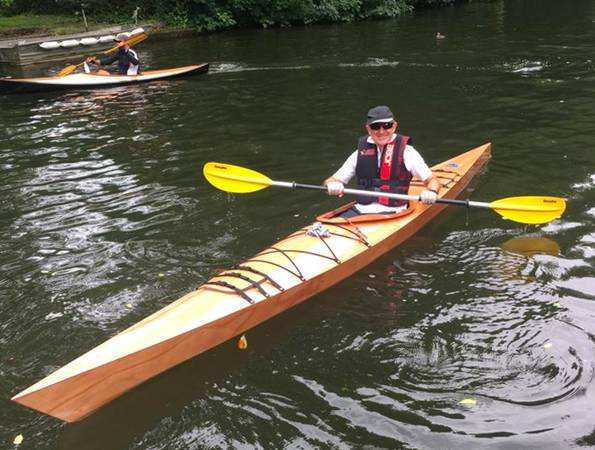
<point x="84" y="17"/>
<point x="135" y="15"/>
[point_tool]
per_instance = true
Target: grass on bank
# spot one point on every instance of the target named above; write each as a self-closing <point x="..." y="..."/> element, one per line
<point x="37" y="25"/>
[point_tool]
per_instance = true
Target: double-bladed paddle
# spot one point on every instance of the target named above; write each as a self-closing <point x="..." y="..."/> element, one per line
<point x="132" y="40"/>
<point x="531" y="210"/>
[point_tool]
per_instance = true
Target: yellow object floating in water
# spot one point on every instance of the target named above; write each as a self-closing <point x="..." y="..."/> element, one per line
<point x="548" y="345"/>
<point x="243" y="342"/>
<point x="531" y="245"/>
<point x="468" y="401"/>
<point x="18" y="439"/>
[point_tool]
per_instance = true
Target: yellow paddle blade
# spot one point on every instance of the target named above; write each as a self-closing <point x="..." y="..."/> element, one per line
<point x="67" y="70"/>
<point x="135" y="39"/>
<point x="531" y="210"/>
<point x="236" y="179"/>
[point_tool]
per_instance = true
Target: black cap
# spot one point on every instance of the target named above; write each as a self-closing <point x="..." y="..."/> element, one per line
<point x="379" y="114"/>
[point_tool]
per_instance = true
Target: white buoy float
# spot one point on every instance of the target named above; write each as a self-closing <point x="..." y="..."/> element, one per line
<point x="69" y="43"/>
<point x="137" y="31"/>
<point x="51" y="45"/>
<point x="89" y="41"/>
<point x="108" y="38"/>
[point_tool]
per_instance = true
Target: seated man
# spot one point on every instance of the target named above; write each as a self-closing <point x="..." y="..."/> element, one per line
<point x="383" y="161"/>
<point x="128" y="60"/>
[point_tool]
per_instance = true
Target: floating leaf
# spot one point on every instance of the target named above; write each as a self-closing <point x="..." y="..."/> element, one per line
<point x="468" y="401"/>
<point x="18" y="439"/>
<point x="548" y="345"/>
<point x="129" y="305"/>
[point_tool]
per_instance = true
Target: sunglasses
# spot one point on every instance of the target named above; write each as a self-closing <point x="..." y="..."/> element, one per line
<point x="385" y="125"/>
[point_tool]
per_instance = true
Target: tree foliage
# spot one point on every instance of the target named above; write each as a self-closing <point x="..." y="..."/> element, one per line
<point x="219" y="14"/>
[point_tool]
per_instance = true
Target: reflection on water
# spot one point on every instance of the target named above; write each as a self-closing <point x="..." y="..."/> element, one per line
<point x="531" y="245"/>
<point x="481" y="337"/>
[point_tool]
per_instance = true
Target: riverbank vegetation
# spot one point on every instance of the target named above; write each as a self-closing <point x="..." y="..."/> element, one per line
<point x="16" y="26"/>
<point x="210" y="15"/>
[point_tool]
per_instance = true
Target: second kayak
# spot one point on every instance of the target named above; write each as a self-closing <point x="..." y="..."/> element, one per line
<point x="79" y="81"/>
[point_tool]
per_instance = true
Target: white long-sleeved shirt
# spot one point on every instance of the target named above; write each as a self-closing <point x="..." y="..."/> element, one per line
<point x="413" y="161"/>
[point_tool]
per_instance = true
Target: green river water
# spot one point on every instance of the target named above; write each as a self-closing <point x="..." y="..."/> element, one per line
<point x="106" y="218"/>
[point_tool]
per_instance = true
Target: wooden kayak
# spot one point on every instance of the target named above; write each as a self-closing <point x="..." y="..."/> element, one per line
<point x="79" y="81"/>
<point x="238" y="299"/>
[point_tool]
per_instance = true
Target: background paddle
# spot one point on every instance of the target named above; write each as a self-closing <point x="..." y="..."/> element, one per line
<point x="532" y="210"/>
<point x="132" y="40"/>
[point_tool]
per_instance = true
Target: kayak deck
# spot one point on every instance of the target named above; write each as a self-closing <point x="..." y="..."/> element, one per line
<point x="236" y="300"/>
<point x="93" y="81"/>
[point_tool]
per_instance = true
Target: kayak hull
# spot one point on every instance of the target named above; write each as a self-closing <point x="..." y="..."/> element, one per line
<point x="82" y="81"/>
<point x="271" y="282"/>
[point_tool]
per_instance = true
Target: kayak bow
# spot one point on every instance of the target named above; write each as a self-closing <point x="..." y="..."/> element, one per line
<point x="235" y="300"/>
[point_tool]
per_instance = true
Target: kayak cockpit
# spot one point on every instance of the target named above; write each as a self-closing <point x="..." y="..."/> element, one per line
<point x="335" y="217"/>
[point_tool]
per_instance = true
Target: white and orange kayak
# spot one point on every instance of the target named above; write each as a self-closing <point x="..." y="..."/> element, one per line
<point x="281" y="276"/>
<point x="92" y="81"/>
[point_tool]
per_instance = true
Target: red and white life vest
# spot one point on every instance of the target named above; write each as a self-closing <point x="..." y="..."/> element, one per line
<point x="390" y="176"/>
